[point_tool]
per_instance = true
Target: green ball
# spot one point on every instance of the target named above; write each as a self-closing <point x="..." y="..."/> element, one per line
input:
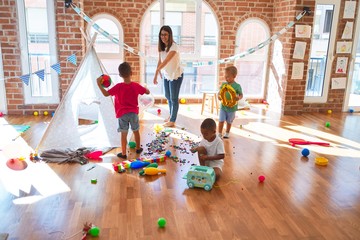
<point x="132" y="144"/>
<point x="94" y="231"/>
<point x="327" y="124"/>
<point x="161" y="222"/>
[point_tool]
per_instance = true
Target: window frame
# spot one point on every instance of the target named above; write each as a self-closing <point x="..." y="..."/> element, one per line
<point x="330" y="55"/>
<point x="3" y="105"/>
<point x="119" y="56"/>
<point x="194" y="56"/>
<point x="25" y="63"/>
<point x="252" y="57"/>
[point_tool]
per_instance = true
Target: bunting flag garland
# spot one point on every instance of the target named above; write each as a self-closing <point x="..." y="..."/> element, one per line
<point x="191" y="64"/>
<point x="25" y="78"/>
<point x="103" y="32"/>
<point x="72" y="59"/>
<point x="56" y="67"/>
<point x="41" y="74"/>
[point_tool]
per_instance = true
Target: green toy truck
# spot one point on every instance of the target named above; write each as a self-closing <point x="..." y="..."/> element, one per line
<point x="200" y="176"/>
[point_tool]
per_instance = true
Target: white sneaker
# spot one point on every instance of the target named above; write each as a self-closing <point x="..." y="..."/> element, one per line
<point x="226" y="135"/>
<point x="220" y="135"/>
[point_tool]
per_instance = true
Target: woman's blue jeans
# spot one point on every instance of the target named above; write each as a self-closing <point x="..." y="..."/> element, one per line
<point x="172" y="90"/>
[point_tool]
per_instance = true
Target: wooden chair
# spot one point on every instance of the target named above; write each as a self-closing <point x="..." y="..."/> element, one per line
<point x="210" y="96"/>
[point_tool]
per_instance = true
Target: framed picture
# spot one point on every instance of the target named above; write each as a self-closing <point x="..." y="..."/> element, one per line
<point x="348" y="30"/>
<point x="338" y="83"/>
<point x="341" y="64"/>
<point x="349" y="9"/>
<point x="302" y="31"/>
<point x="297" y="70"/>
<point x="343" y="47"/>
<point x="299" y="50"/>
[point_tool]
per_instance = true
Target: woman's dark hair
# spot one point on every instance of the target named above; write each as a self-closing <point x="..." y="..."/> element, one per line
<point x="124" y="70"/>
<point x="208" y="124"/>
<point x="161" y="45"/>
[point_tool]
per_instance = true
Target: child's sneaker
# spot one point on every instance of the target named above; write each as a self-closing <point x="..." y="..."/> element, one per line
<point x="226" y="135"/>
<point x="139" y="150"/>
<point x="120" y="155"/>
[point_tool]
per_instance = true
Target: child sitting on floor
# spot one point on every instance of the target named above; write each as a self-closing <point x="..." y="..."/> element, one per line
<point x="211" y="151"/>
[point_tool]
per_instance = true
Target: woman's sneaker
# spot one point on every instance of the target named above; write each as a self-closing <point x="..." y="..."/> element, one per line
<point x="226" y="135"/>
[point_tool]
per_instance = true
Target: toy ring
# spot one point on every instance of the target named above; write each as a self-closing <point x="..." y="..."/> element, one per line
<point x="224" y="100"/>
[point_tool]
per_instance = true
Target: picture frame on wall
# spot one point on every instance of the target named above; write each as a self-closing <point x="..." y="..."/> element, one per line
<point x="341" y="65"/>
<point x="349" y="9"/>
<point x="343" y="47"/>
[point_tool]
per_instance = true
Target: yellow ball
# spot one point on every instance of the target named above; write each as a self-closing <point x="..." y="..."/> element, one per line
<point x="183" y="100"/>
<point x="329" y="111"/>
<point x="36" y="113"/>
<point x="46" y="113"/>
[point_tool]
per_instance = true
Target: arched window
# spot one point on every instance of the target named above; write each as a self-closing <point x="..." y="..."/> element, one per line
<point x="252" y="68"/>
<point x="110" y="54"/>
<point x="195" y="30"/>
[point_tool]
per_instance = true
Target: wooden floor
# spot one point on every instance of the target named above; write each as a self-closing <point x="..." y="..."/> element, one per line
<point x="297" y="200"/>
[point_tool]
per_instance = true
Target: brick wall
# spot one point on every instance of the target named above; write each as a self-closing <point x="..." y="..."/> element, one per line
<point x="11" y="57"/>
<point x="69" y="40"/>
<point x="283" y="94"/>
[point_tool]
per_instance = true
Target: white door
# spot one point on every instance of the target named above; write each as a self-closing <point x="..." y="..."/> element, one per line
<point x="352" y="99"/>
<point x="3" y="105"/>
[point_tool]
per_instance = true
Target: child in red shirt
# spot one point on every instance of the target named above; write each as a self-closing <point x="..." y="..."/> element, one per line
<point x="126" y="105"/>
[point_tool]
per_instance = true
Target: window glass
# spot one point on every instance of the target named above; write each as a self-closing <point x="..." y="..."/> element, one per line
<point x="110" y="54"/>
<point x="195" y="30"/>
<point x="252" y="68"/>
<point x="37" y="36"/>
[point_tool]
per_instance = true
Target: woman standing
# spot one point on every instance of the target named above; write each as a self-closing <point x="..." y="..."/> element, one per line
<point x="169" y="66"/>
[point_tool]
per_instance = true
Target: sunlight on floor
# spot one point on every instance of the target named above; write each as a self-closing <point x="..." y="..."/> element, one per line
<point x="37" y="181"/>
<point x="280" y="136"/>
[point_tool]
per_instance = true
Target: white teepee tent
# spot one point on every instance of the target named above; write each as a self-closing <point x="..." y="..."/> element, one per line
<point x="83" y="100"/>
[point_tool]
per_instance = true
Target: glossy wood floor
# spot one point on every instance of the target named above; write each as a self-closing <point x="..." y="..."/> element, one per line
<point x="297" y="200"/>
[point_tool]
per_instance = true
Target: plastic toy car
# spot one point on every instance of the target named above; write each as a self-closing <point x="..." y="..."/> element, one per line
<point x="200" y="176"/>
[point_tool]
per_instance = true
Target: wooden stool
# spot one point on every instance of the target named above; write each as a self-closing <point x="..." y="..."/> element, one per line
<point x="210" y="96"/>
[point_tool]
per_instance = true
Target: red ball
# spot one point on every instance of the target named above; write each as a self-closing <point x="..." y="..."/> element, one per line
<point x="159" y="111"/>
<point x="106" y="80"/>
<point x="261" y="178"/>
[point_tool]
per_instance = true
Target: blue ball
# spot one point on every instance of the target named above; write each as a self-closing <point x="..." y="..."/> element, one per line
<point x="305" y="152"/>
<point x="168" y="153"/>
<point x="351" y="110"/>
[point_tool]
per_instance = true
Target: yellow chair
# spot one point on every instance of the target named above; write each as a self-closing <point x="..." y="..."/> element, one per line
<point x="210" y="96"/>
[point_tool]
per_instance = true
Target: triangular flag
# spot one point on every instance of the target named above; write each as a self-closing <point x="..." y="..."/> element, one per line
<point x="25" y="78"/>
<point x="56" y="67"/>
<point x="41" y="74"/>
<point x="72" y="59"/>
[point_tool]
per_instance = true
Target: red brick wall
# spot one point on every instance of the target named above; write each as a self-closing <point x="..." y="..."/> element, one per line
<point x="11" y="57"/>
<point x="283" y="93"/>
<point x="69" y="40"/>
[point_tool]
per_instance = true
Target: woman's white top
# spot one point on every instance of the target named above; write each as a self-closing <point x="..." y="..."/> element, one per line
<point x="173" y="69"/>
